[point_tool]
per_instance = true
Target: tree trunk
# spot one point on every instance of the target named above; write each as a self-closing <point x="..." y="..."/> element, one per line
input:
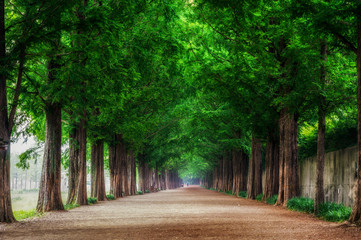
<point x="115" y="165"/>
<point x="50" y="192"/>
<point x="124" y="167"/>
<point x="356" y="210"/>
<point x="289" y="186"/>
<point x="74" y="149"/>
<point x="97" y="171"/>
<point x="272" y="167"/>
<point x="82" y="196"/>
<point x="133" y="175"/>
<point x="254" y="186"/>
<point x="220" y="175"/>
<point x="320" y="193"/>
<point x="6" y="213"/>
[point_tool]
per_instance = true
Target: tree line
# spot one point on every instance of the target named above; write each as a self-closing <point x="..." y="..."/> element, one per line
<point x="209" y="89"/>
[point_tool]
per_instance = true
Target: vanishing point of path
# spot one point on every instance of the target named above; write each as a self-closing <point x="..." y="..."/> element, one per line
<point x="186" y="213"/>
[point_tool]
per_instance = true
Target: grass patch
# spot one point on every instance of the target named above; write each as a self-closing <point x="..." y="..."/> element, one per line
<point x="213" y="189"/>
<point x="22" y="214"/>
<point x="301" y="204"/>
<point x="71" y="206"/>
<point x="272" y="200"/>
<point x="242" y="194"/>
<point x="92" y="200"/>
<point x="139" y="193"/>
<point x="110" y="197"/>
<point x="259" y="197"/>
<point x="334" y="212"/>
<point x="147" y="191"/>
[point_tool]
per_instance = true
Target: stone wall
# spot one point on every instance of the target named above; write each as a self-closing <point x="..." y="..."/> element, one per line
<point x="339" y="176"/>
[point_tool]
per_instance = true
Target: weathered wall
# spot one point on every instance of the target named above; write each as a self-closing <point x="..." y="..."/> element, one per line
<point x="339" y="176"/>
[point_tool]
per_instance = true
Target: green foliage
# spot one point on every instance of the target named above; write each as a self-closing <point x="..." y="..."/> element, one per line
<point x="21" y="214"/>
<point x="229" y="192"/>
<point x="242" y="194"/>
<point x="334" y="212"/>
<point x="341" y="132"/>
<point x="146" y="191"/>
<point x="213" y="189"/>
<point x="272" y="200"/>
<point x="110" y="197"/>
<point x="259" y="197"/>
<point x="301" y="204"/>
<point x="71" y="206"/>
<point x="139" y="193"/>
<point x="92" y="200"/>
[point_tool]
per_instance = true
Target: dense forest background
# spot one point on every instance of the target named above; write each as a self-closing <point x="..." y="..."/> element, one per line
<point x="177" y="87"/>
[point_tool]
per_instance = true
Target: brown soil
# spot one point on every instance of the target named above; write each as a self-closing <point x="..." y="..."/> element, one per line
<point x="186" y="213"/>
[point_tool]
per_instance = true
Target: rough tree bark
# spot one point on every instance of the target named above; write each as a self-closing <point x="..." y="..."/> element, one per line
<point x="319" y="191"/>
<point x="6" y="213"/>
<point x="50" y="192"/>
<point x="289" y="185"/>
<point x="124" y="167"/>
<point x="133" y="180"/>
<point x="254" y="186"/>
<point x="97" y="171"/>
<point x="115" y="165"/>
<point x="77" y="165"/>
<point x="272" y="167"/>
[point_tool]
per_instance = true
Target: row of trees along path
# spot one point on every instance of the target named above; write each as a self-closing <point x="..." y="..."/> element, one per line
<point x="177" y="89"/>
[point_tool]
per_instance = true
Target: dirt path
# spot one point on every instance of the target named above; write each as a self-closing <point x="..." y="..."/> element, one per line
<point x="186" y="213"/>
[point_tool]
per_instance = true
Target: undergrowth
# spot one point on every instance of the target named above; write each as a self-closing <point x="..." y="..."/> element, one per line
<point x="272" y="200"/>
<point x="229" y="192"/>
<point x="242" y="194"/>
<point x="301" y="204"/>
<point x="110" y="197"/>
<point x="92" y="200"/>
<point x="21" y="214"/>
<point x="70" y="206"/>
<point x="139" y="193"/>
<point x="328" y="211"/>
<point x="334" y="212"/>
<point x="259" y="197"/>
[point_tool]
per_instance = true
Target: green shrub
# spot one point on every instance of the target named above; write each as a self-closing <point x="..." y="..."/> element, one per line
<point x="301" y="204"/>
<point x="272" y="200"/>
<point x="139" y="193"/>
<point x="229" y="192"/>
<point x="259" y="197"/>
<point x="110" y="197"/>
<point x="147" y="191"/>
<point x="242" y="194"/>
<point x="212" y="189"/>
<point x="21" y="214"/>
<point x="92" y="200"/>
<point x="70" y="206"/>
<point x="334" y="212"/>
